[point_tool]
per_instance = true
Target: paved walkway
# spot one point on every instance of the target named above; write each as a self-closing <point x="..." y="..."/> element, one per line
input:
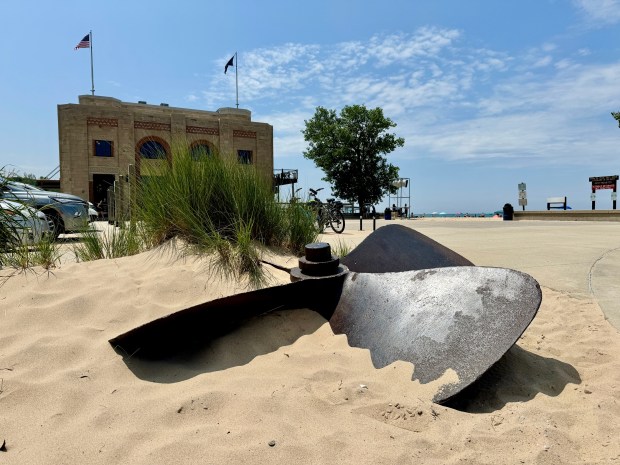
<point x="605" y="285"/>
<point x="580" y="257"/>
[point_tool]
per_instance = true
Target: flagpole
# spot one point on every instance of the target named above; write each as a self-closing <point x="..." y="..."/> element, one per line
<point x="237" y="77"/>
<point x="92" y="74"/>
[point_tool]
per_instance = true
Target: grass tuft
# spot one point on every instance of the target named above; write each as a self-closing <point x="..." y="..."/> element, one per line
<point x="209" y="201"/>
<point x="111" y="243"/>
<point x="15" y="249"/>
<point x="341" y="249"/>
<point x="216" y="205"/>
<point x="46" y="253"/>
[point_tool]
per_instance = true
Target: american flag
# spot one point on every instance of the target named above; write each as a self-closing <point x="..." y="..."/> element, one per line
<point x="84" y="43"/>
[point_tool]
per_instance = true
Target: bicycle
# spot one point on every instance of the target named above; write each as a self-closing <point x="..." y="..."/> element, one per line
<point x="328" y="214"/>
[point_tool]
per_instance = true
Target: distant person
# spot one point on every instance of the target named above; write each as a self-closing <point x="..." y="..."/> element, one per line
<point x="369" y="211"/>
<point x="406" y="211"/>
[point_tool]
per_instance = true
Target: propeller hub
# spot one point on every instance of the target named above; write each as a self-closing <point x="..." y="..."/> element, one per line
<point x="318" y="263"/>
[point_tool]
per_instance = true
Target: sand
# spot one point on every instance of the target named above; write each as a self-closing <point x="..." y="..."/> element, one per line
<point x="284" y="389"/>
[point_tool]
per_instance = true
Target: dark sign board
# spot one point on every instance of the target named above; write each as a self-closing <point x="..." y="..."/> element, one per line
<point x="604" y="180"/>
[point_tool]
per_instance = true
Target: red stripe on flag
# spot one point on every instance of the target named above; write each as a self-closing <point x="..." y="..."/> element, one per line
<point x="84" y="43"/>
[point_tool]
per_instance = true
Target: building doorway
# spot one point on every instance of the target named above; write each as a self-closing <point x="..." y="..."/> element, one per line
<point x="101" y="184"/>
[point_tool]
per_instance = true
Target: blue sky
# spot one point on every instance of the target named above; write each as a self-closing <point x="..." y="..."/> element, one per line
<point x="486" y="93"/>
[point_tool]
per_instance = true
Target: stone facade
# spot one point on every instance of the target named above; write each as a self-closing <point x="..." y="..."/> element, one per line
<point x="102" y="139"/>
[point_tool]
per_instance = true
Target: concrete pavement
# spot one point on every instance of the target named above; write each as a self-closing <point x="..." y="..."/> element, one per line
<point x="579" y="257"/>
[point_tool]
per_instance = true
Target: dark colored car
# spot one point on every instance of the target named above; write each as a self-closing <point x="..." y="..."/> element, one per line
<point x="68" y="213"/>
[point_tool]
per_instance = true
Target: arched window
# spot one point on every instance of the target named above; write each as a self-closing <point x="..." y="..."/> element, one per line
<point x="200" y="150"/>
<point x="153" y="149"/>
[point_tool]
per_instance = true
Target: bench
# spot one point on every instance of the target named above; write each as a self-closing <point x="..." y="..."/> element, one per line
<point x="561" y="201"/>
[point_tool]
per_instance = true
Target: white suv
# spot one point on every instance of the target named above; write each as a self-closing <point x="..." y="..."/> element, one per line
<point x="22" y="224"/>
<point x="68" y="213"/>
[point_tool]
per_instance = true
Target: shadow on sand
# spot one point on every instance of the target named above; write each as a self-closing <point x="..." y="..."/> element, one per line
<point x="518" y="376"/>
<point x="260" y="335"/>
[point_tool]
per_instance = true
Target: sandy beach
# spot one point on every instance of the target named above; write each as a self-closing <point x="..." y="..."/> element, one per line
<point x="284" y="389"/>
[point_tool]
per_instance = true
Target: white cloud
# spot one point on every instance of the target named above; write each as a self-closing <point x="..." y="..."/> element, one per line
<point x="450" y="101"/>
<point x="544" y="61"/>
<point x="393" y="49"/>
<point x="564" y="63"/>
<point x="600" y="11"/>
<point x="285" y="71"/>
<point x="556" y="120"/>
<point x="532" y="139"/>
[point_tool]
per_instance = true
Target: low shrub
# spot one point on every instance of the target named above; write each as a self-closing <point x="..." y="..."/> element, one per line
<point x="217" y="205"/>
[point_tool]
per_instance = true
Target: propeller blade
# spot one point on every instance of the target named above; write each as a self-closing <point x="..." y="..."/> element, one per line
<point x="395" y="248"/>
<point x="459" y="318"/>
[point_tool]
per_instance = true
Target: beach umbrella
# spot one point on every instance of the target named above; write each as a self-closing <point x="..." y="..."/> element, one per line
<point x="398" y="294"/>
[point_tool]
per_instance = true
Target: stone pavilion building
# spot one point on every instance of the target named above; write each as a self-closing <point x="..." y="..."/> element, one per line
<point x="103" y="140"/>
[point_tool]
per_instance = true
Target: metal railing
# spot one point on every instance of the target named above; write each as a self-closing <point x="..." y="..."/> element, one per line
<point x="119" y="197"/>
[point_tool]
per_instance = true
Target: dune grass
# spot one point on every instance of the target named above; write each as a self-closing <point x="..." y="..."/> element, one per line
<point x="111" y="243"/>
<point x="15" y="253"/>
<point x="212" y="203"/>
<point x="22" y="256"/>
<point x="218" y="206"/>
<point x="46" y="253"/>
<point x="341" y="249"/>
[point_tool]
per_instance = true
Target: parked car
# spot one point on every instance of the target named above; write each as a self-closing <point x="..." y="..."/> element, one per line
<point x="68" y="213"/>
<point x="93" y="214"/>
<point x="23" y="224"/>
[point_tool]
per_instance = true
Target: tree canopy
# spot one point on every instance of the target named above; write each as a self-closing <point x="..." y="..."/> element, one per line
<point x="616" y="115"/>
<point x="350" y="150"/>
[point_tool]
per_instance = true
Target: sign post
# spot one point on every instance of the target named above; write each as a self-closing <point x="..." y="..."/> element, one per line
<point x="522" y="195"/>
<point x="604" y="182"/>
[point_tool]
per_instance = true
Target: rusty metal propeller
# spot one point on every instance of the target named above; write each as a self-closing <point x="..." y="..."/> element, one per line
<point x="403" y="297"/>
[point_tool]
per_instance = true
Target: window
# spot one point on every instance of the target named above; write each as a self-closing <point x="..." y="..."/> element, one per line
<point x="103" y="148"/>
<point x="152" y="149"/>
<point x="244" y="157"/>
<point x="200" y="151"/>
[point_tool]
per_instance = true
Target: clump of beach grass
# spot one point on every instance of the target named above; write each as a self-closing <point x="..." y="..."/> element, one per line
<point x="341" y="249"/>
<point x="21" y="256"/>
<point x="216" y="205"/>
<point x="17" y="256"/>
<point x="16" y="253"/>
<point x="46" y="253"/>
<point x="114" y="242"/>
<point x="301" y="225"/>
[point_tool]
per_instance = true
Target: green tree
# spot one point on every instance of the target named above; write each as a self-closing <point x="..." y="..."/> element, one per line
<point x="616" y="115"/>
<point x="349" y="148"/>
